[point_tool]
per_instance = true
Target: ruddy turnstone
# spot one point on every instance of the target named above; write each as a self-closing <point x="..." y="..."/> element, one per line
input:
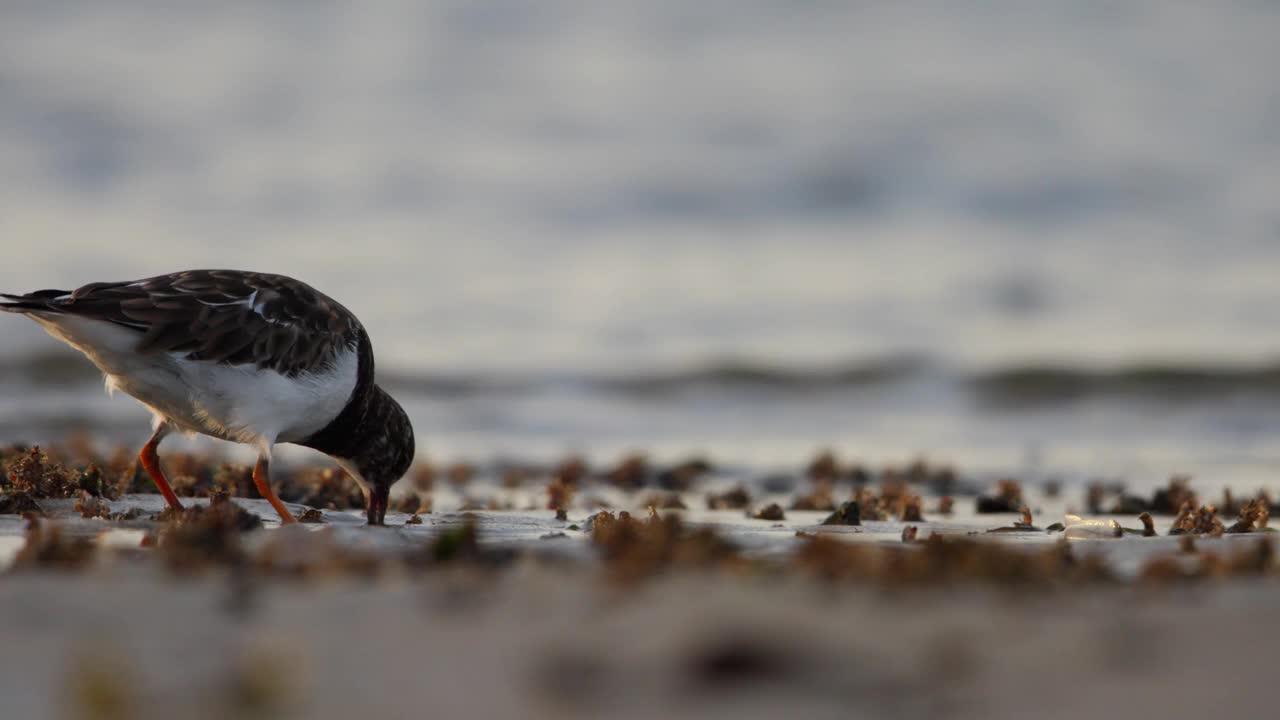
<point x="242" y="356"/>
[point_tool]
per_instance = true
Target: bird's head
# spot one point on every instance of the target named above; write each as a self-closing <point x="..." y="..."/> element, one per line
<point x="385" y="453"/>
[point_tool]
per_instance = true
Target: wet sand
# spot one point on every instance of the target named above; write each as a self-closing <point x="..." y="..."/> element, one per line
<point x="111" y="610"/>
<point x="546" y="641"/>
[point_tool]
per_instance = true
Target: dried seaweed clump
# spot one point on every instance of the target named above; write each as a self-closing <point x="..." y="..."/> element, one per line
<point x="94" y="482"/>
<point x="560" y="494"/>
<point x="735" y="499"/>
<point x="823" y="467"/>
<point x="91" y="507"/>
<point x="201" y="536"/>
<point x="409" y="503"/>
<point x="681" y="476"/>
<point x="35" y="475"/>
<point x="1169" y="500"/>
<point x="1093" y="498"/>
<point x="772" y="511"/>
<point x="870" y="506"/>
<point x="1201" y="520"/>
<point x="819" y="498"/>
<point x="939" y="560"/>
<point x="939" y="479"/>
<point x="909" y="508"/>
<point x="460" y="475"/>
<point x="48" y="547"/>
<point x="849" y="514"/>
<point x="636" y="549"/>
<point x="1254" y="560"/>
<point x="1253" y="517"/>
<point x="1229" y="505"/>
<point x="1126" y="504"/>
<point x="664" y="501"/>
<point x="235" y="480"/>
<point x="572" y="470"/>
<point x="457" y="544"/>
<point x="196" y="475"/>
<point x="1022" y="524"/>
<point x="322" y="487"/>
<point x="422" y="477"/>
<point x="1148" y="525"/>
<point x="1007" y="498"/>
<point x="631" y="473"/>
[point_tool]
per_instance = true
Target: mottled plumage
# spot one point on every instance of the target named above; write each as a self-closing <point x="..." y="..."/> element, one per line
<point x="224" y="316"/>
<point x="242" y="356"/>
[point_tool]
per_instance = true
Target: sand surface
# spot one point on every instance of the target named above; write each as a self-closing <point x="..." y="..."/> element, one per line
<point x="546" y="642"/>
<point x="548" y="634"/>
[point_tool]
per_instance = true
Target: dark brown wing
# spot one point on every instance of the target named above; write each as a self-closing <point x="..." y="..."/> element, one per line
<point x="225" y="316"/>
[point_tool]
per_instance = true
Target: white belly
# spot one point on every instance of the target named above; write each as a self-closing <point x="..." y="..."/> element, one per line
<point x="240" y="403"/>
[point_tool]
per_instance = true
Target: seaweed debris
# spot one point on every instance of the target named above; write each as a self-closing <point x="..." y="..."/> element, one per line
<point x="909" y="508"/>
<point x="736" y="498"/>
<point x="631" y="473"/>
<point x="46" y="546"/>
<point x="1126" y="504"/>
<point x="205" y="535"/>
<point x="1148" y="525"/>
<point x="772" y="511"/>
<point x="560" y="494"/>
<point x="664" y="501"/>
<point x="870" y="506"/>
<point x="1007" y="498"/>
<point x="410" y="503"/>
<point x="91" y="507"/>
<point x="819" y="498"/>
<point x="1253" y="517"/>
<point x="460" y="475"/>
<point x="636" y="549"/>
<point x="1169" y="500"/>
<point x="1022" y="524"/>
<point x="823" y="467"/>
<point x="571" y="470"/>
<point x="849" y="514"/>
<point x="34" y="474"/>
<point x="1256" y="559"/>
<point x="1198" y="520"/>
<point x="941" y="560"/>
<point x="682" y="476"/>
<point x="322" y="487"/>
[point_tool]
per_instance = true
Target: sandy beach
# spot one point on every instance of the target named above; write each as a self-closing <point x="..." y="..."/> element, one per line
<point x="749" y="360"/>
<point x="632" y="612"/>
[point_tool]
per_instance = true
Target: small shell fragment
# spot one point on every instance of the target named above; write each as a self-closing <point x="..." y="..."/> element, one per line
<point x="1079" y="528"/>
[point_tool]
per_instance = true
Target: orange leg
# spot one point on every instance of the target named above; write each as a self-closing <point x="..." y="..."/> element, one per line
<point x="262" y="478"/>
<point x="151" y="463"/>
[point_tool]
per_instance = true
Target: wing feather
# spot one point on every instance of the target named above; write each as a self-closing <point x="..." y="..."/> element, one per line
<point x="225" y="316"/>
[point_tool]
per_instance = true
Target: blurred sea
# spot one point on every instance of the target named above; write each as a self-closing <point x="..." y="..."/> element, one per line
<point x="1042" y="237"/>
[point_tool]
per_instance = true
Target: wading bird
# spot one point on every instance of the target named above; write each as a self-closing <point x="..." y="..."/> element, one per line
<point x="242" y="356"/>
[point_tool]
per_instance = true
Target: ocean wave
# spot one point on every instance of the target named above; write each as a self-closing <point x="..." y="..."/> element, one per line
<point x="1047" y="384"/>
<point x="1004" y="386"/>
<point x="1009" y="386"/>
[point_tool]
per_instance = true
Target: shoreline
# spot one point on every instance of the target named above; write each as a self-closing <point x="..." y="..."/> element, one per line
<point x="637" y="609"/>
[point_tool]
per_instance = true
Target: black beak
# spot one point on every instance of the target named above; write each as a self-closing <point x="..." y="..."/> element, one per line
<point x="378" y="496"/>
